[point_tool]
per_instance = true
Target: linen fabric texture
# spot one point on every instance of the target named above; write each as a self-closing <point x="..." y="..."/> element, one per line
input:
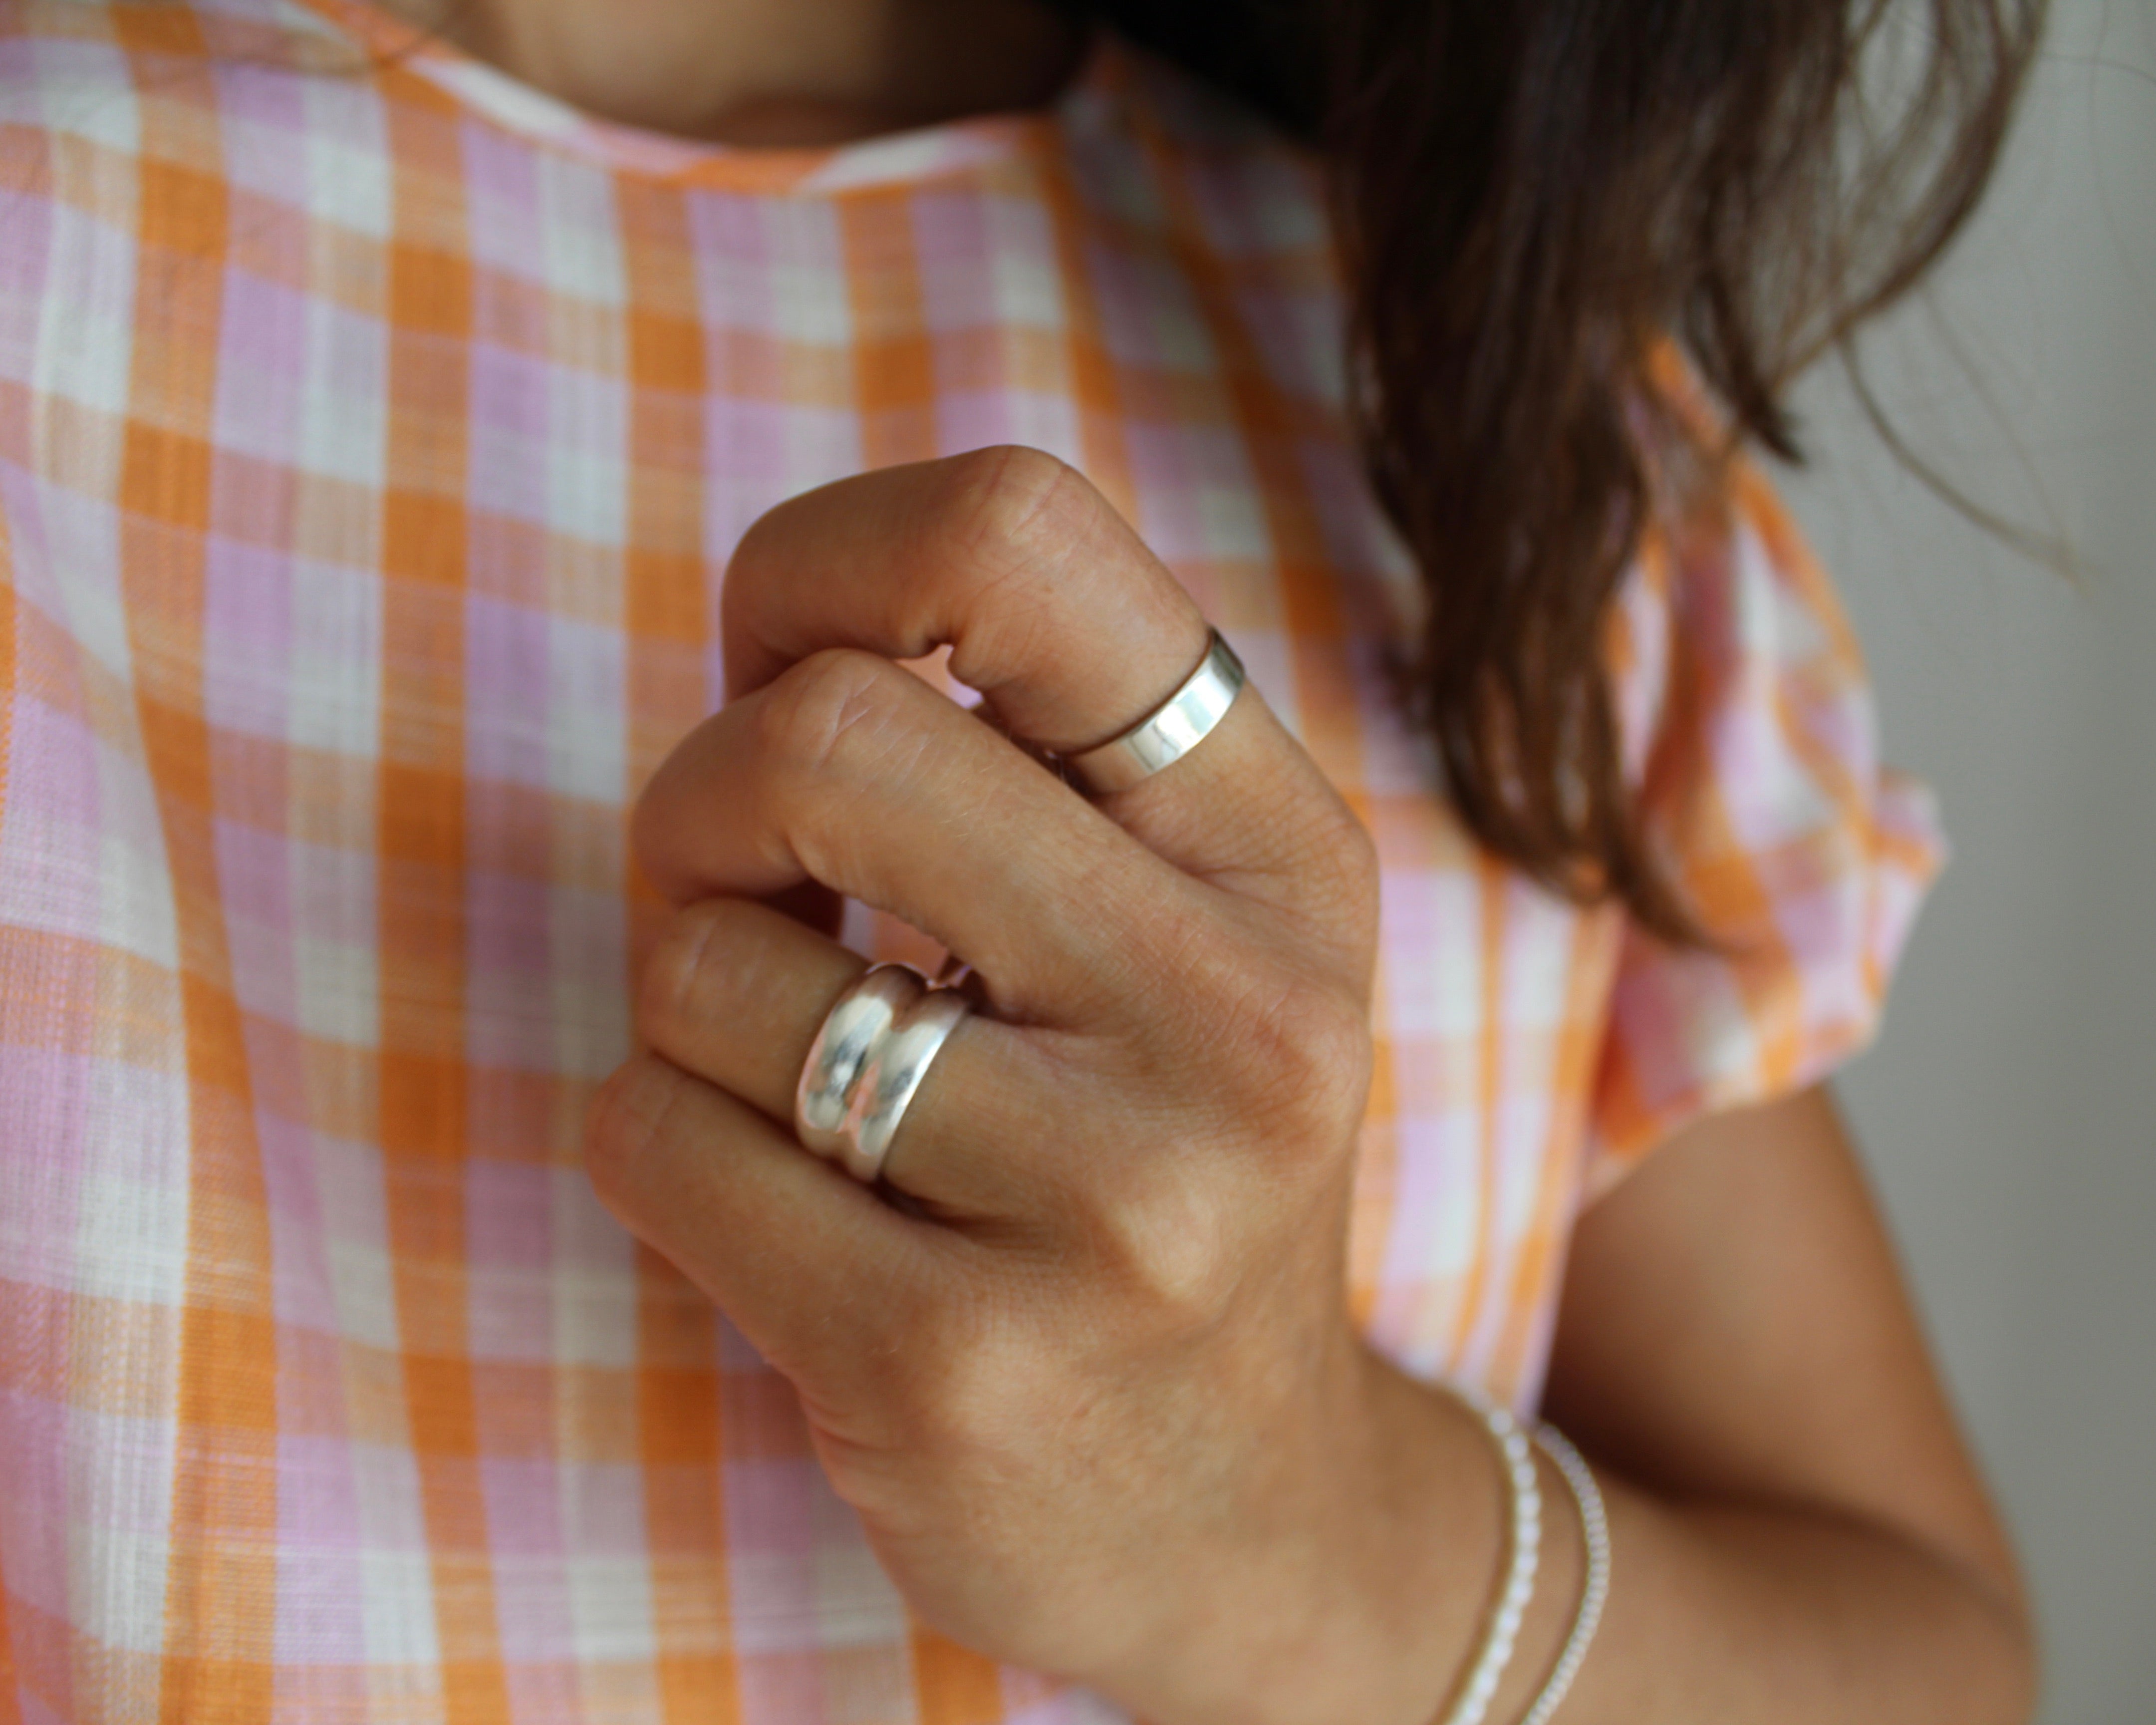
<point x="374" y="434"/>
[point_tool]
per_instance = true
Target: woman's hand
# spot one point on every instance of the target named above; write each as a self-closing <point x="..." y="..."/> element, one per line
<point x="1094" y="1390"/>
<point x="1099" y="1401"/>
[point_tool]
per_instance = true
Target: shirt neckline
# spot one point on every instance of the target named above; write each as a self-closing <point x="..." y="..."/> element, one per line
<point x="888" y="158"/>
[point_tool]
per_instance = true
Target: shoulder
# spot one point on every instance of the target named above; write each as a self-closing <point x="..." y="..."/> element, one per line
<point x="1725" y="606"/>
<point x="1753" y="740"/>
<point x="1723" y="590"/>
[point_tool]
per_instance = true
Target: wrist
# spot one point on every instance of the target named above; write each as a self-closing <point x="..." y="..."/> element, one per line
<point x="1362" y="1588"/>
<point x="1442" y="1486"/>
<point x="1464" y="1573"/>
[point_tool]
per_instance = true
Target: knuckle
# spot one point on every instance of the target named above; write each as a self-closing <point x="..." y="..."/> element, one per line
<point x="768" y="552"/>
<point x="1336" y="858"/>
<point x="1027" y="552"/>
<point x="667" y="989"/>
<point x="1171" y="1238"/>
<point x="1011" y="500"/>
<point x="818" y="715"/>
<point x="1304" y="1053"/>
<point x="1011" y="521"/>
<point x="964" y="1386"/>
<point x="1357" y="868"/>
<point x="626" y="1117"/>
<point x="745" y="563"/>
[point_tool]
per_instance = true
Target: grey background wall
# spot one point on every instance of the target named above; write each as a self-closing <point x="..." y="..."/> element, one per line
<point x="2010" y="1111"/>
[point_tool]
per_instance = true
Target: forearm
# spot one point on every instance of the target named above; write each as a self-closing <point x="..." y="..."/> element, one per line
<point x="1755" y="1613"/>
<point x="1740" y="1615"/>
<point x="1789" y="1615"/>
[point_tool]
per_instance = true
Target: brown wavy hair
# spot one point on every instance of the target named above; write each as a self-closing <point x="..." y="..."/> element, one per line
<point x="1531" y="199"/>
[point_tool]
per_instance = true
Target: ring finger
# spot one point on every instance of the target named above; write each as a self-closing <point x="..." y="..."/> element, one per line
<point x="735" y="992"/>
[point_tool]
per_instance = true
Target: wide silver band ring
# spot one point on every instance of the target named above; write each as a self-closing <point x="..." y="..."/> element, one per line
<point x="891" y="1075"/>
<point x="871" y="1053"/>
<point x="1170" y="731"/>
<point x="859" y="1019"/>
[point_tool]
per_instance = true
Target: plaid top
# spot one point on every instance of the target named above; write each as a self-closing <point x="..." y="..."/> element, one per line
<point x="373" y="433"/>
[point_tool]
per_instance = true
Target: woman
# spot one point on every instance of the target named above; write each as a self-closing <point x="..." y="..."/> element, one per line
<point x="382" y="407"/>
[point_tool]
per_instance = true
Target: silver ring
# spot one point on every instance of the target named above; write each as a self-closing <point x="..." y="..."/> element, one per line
<point x="870" y="1054"/>
<point x="1171" y="730"/>
<point x="892" y="1076"/>
<point x="858" y="1020"/>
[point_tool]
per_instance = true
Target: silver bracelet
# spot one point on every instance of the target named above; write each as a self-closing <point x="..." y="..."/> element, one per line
<point x="1478" y="1688"/>
<point x="1595" y="1590"/>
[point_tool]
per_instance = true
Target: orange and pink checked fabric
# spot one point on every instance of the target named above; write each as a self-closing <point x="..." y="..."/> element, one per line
<point x="373" y="433"/>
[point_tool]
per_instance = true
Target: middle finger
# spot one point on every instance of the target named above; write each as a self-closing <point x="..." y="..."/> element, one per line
<point x="849" y="771"/>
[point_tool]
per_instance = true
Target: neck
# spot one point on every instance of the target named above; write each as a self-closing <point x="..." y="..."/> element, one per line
<point x="771" y="73"/>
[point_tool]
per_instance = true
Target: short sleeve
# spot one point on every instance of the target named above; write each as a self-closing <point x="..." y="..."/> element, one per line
<point x="1753" y="741"/>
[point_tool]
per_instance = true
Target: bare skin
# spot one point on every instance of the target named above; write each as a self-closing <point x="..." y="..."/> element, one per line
<point x="1100" y="1401"/>
<point x="770" y="73"/>
<point x="1100" y="1406"/>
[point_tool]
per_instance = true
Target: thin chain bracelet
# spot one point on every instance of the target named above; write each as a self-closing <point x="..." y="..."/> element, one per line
<point x="1479" y="1688"/>
<point x="1595" y="1588"/>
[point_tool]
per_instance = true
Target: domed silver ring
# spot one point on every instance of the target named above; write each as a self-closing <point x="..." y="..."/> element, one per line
<point x="892" y="1074"/>
<point x="868" y="1060"/>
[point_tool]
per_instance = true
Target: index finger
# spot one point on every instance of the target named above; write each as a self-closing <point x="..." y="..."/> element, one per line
<point x="1071" y="629"/>
<point x="1006" y="555"/>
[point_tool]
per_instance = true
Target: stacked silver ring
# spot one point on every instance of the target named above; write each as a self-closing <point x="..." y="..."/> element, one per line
<point x="868" y="1059"/>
